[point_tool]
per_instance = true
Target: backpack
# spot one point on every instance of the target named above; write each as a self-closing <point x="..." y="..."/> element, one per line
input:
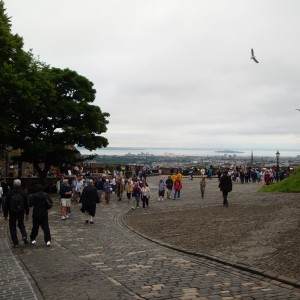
<point x="16" y="203"/>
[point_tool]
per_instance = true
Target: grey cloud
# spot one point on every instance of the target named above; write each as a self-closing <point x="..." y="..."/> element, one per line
<point x="172" y="72"/>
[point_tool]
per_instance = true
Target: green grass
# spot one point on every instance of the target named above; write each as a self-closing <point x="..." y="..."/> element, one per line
<point x="289" y="185"/>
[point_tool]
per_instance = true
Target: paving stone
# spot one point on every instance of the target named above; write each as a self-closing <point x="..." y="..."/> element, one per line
<point x="108" y="261"/>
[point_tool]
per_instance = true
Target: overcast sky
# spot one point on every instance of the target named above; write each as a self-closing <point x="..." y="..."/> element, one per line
<point x="178" y="73"/>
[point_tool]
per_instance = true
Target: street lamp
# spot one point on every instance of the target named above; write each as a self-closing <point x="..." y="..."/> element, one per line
<point x="277" y="158"/>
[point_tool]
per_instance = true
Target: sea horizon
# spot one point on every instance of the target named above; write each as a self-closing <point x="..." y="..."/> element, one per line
<point x="191" y="151"/>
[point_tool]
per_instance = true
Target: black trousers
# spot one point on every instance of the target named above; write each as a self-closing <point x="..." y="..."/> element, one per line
<point x="14" y="218"/>
<point x="225" y="195"/>
<point x="145" y="201"/>
<point x="37" y="221"/>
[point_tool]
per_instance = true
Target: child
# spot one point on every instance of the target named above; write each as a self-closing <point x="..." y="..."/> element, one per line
<point x="161" y="190"/>
<point x="202" y="186"/>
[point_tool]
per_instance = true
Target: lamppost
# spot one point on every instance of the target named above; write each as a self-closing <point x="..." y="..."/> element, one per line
<point x="277" y="170"/>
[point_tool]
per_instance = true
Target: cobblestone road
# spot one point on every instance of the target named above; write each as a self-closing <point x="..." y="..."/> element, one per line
<point x="106" y="260"/>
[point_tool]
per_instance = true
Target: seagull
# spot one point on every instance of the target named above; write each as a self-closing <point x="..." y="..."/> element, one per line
<point x="298" y="109"/>
<point x="252" y="56"/>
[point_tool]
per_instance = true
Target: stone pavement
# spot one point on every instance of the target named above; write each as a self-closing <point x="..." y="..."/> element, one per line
<point x="107" y="261"/>
<point x="14" y="281"/>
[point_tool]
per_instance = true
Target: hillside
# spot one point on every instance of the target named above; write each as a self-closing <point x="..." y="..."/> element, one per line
<point x="289" y="185"/>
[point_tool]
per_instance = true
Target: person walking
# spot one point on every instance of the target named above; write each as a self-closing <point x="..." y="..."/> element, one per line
<point x="129" y="188"/>
<point x="89" y="199"/>
<point x="41" y="202"/>
<point x="99" y="186"/>
<point x="120" y="186"/>
<point x="66" y="195"/>
<point x="136" y="193"/>
<point x="177" y="188"/>
<point x="169" y="186"/>
<point x="59" y="184"/>
<point x="202" y="186"/>
<point x="107" y="190"/>
<point x="225" y="187"/>
<point x="16" y="206"/>
<point x="161" y="190"/>
<point x="202" y="171"/>
<point x="145" y="194"/>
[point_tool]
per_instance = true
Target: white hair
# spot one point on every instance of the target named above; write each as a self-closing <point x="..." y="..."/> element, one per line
<point x="17" y="182"/>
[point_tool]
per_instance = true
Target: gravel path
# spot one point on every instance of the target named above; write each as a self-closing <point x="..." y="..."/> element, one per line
<point x="257" y="229"/>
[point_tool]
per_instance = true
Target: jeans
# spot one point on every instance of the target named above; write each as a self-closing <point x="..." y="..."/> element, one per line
<point x="137" y="201"/>
<point x="177" y="193"/>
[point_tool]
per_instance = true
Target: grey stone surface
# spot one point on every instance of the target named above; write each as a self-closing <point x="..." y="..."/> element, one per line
<point x="106" y="260"/>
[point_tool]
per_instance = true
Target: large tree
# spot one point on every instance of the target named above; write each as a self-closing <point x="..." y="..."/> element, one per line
<point x="62" y="117"/>
<point x="17" y="69"/>
<point x="43" y="109"/>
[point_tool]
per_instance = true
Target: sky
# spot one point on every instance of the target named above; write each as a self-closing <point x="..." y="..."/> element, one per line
<point x="178" y="73"/>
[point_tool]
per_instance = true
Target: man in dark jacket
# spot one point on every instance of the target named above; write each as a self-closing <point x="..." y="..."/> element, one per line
<point x="169" y="185"/>
<point x="225" y="186"/>
<point x="89" y="198"/>
<point x="16" y="209"/>
<point x="40" y="214"/>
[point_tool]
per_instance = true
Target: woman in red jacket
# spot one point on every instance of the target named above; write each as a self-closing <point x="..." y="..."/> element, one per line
<point x="177" y="187"/>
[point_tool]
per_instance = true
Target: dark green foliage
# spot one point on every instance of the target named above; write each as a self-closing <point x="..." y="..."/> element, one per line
<point x="44" y="109"/>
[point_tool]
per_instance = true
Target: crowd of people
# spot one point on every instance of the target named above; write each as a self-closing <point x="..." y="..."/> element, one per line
<point x="89" y="191"/>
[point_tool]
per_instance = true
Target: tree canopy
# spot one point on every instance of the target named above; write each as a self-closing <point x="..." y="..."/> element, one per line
<point x="44" y="109"/>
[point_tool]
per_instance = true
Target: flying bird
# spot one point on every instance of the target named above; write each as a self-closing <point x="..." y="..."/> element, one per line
<point x="252" y="56"/>
<point x="298" y="109"/>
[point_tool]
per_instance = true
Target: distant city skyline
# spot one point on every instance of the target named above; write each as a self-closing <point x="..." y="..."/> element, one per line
<point x="172" y="72"/>
<point x="192" y="151"/>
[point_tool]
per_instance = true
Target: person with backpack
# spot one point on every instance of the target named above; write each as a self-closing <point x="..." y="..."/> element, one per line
<point x="41" y="202"/>
<point x="16" y="207"/>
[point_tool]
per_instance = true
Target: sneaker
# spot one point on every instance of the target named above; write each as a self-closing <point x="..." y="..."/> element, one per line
<point x="48" y="244"/>
<point x="86" y="221"/>
<point x="91" y="222"/>
<point x="68" y="216"/>
<point x="33" y="242"/>
<point x="63" y="218"/>
<point x="133" y="208"/>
